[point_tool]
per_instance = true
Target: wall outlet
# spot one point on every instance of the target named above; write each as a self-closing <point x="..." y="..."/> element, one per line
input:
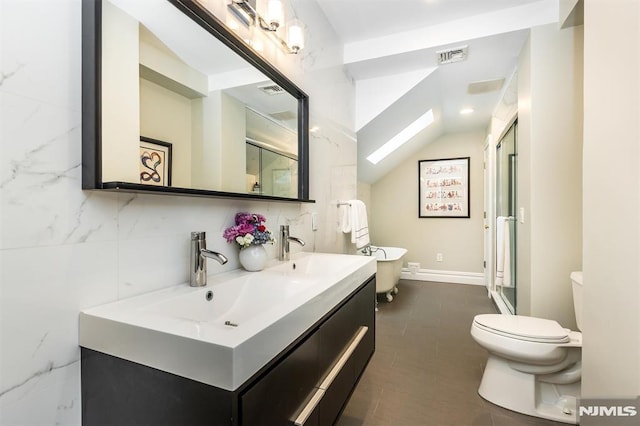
<point x="314" y="221"/>
<point x="439" y="257"/>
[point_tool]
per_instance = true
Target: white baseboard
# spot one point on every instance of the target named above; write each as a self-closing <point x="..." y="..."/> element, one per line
<point x="472" y="278"/>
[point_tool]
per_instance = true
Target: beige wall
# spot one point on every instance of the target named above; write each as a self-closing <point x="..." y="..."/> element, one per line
<point x="232" y="140"/>
<point x="199" y="129"/>
<point x="120" y="120"/>
<point x="157" y="112"/>
<point x="523" y="232"/>
<point x="394" y="218"/>
<point x="364" y="193"/>
<point x="166" y="115"/>
<point x="611" y="329"/>
<point x="550" y="172"/>
<point x="156" y="56"/>
<point x="206" y="161"/>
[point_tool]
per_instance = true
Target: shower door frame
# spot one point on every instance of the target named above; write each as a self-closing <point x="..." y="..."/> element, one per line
<point x="511" y="200"/>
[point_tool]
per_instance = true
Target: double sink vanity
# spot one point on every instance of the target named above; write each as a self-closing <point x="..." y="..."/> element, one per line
<point x="282" y="346"/>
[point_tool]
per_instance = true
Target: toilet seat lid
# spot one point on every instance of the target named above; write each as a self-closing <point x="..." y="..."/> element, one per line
<point x="524" y="328"/>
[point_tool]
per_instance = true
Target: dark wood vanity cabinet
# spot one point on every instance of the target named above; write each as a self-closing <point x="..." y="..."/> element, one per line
<point x="309" y="383"/>
<point x="319" y="374"/>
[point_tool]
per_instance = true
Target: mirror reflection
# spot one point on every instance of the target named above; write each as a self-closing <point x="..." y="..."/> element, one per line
<point x="181" y="109"/>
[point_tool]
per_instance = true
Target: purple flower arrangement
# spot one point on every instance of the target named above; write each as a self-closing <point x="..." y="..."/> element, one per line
<point x="249" y="230"/>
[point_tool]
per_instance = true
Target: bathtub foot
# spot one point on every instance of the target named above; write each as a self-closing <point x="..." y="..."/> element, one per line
<point x="395" y="290"/>
<point x="389" y="297"/>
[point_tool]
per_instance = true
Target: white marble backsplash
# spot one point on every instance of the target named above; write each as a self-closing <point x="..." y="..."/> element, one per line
<point x="63" y="249"/>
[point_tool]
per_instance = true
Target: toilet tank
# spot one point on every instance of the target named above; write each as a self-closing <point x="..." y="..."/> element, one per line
<point x="576" y="283"/>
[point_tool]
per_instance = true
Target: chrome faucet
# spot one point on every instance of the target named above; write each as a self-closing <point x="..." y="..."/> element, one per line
<point x="285" y="238"/>
<point x="198" y="261"/>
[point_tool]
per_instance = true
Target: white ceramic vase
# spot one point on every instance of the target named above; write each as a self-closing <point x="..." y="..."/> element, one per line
<point x="253" y="258"/>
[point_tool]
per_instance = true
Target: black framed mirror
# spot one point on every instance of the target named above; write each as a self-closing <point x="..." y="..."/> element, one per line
<point x="173" y="103"/>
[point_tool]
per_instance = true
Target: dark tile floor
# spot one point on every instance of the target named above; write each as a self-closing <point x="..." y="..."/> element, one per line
<point x="426" y="369"/>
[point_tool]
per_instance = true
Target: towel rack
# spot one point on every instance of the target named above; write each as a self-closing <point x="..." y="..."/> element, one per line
<point x="341" y="203"/>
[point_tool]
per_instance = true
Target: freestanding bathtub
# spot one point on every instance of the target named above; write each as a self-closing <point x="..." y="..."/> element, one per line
<point x="389" y="268"/>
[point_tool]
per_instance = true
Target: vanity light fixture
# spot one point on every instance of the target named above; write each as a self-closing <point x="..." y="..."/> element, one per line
<point x="295" y="33"/>
<point x="401" y="138"/>
<point x="273" y="20"/>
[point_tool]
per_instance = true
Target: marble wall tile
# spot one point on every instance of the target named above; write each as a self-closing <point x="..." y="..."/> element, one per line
<point x="333" y="178"/>
<point x="40" y="178"/>
<point x="41" y="45"/>
<point x="154" y="236"/>
<point x="49" y="397"/>
<point x="41" y="51"/>
<point x="43" y="289"/>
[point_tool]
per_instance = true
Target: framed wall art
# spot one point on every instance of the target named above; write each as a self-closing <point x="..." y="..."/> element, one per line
<point x="443" y="188"/>
<point x="155" y="162"/>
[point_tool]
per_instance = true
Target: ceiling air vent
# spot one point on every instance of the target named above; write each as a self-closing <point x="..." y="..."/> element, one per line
<point x="272" y="89"/>
<point x="450" y="56"/>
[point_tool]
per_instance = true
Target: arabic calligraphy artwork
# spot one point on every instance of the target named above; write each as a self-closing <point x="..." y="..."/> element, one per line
<point x="444" y="188"/>
<point x="155" y="162"/>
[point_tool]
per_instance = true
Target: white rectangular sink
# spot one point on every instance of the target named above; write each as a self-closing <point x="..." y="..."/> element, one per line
<point x="225" y="332"/>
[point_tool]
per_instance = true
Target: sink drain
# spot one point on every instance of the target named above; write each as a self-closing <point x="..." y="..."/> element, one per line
<point x="209" y="296"/>
<point x="230" y="324"/>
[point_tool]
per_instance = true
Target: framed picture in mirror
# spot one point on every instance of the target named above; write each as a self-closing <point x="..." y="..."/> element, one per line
<point x="155" y="162"/>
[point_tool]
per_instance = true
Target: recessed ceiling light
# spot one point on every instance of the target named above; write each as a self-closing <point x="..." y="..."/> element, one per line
<point x="465" y="111"/>
<point x="401" y="138"/>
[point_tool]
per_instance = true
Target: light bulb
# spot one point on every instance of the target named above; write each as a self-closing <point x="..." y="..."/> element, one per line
<point x="295" y="36"/>
<point x="275" y="14"/>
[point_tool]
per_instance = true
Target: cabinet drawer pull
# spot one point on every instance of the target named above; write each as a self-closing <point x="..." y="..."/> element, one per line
<point x="308" y="409"/>
<point x="344" y="358"/>
<point x="317" y="397"/>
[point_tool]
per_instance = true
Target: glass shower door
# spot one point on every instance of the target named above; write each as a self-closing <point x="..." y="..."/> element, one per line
<point x="506" y="183"/>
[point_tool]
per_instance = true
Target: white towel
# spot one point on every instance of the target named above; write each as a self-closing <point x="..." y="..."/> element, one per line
<point x="354" y="221"/>
<point x="346" y="218"/>
<point x="503" y="251"/>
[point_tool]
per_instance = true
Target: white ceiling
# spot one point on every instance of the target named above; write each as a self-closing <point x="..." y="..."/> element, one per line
<point x="390" y="50"/>
<point x="356" y="20"/>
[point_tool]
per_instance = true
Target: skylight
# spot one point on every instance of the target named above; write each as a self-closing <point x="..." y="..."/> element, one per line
<point x="401" y="138"/>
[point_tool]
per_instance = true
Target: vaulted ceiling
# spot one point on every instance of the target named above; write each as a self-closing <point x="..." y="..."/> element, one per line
<point x="391" y="49"/>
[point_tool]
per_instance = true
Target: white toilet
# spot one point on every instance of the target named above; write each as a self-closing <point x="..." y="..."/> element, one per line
<point x="534" y="364"/>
